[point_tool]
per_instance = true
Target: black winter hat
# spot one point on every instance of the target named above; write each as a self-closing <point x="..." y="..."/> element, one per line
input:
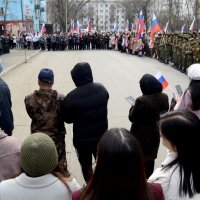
<point x="150" y="85"/>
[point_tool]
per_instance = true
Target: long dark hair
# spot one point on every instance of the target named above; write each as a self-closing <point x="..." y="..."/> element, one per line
<point x="119" y="172"/>
<point x="194" y="88"/>
<point x="182" y="129"/>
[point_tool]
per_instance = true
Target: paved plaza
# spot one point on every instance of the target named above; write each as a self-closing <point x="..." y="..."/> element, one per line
<point x="119" y="73"/>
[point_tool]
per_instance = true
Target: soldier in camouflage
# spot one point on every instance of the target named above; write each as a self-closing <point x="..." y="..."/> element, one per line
<point x="44" y="107"/>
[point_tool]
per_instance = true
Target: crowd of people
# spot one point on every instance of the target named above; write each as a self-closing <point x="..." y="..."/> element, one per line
<point x="181" y="49"/>
<point x="37" y="168"/>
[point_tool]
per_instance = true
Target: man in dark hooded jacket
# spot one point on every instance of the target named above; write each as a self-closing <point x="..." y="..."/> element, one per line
<point x="86" y="108"/>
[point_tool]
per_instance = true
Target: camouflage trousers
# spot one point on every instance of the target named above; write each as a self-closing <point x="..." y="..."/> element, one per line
<point x="59" y="141"/>
<point x="60" y="146"/>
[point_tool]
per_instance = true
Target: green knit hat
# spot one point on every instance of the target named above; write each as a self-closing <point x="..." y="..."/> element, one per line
<point x="38" y="155"/>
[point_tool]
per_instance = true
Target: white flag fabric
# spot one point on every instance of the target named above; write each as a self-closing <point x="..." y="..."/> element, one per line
<point x="192" y="25"/>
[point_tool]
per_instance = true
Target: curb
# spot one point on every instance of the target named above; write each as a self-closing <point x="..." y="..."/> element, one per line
<point x="8" y="69"/>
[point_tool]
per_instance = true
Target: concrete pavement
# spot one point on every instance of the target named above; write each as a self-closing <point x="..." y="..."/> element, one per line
<point x="16" y="58"/>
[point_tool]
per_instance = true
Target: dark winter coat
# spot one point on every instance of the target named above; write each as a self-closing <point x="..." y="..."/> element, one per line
<point x="86" y="106"/>
<point x="6" y="115"/>
<point x="145" y="115"/>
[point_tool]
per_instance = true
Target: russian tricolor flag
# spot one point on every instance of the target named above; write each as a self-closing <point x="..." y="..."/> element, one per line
<point x="162" y="80"/>
<point x="155" y="27"/>
<point x="77" y="28"/>
<point x="140" y="26"/>
<point x="43" y="30"/>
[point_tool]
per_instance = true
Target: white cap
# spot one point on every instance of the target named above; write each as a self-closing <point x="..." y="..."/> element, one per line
<point x="194" y="72"/>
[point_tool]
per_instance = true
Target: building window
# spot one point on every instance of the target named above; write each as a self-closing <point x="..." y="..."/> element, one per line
<point x="101" y="11"/>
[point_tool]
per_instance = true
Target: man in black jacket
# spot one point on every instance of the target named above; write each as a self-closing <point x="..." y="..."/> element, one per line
<point x="6" y="115"/>
<point x="86" y="108"/>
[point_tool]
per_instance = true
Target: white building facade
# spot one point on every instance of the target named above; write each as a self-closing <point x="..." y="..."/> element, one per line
<point x="103" y="15"/>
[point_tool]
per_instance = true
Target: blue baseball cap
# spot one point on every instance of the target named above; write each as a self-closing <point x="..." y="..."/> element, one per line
<point x="46" y="75"/>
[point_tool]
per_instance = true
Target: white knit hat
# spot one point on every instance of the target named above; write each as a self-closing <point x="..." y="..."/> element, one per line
<point x="194" y="71"/>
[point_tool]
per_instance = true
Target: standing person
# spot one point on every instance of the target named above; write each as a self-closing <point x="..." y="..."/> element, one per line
<point x="190" y="100"/>
<point x="119" y="172"/>
<point x="145" y="115"/>
<point x="86" y="108"/>
<point x="6" y="115"/>
<point x="179" y="174"/>
<point x="41" y="178"/>
<point x="9" y="156"/>
<point x="44" y="108"/>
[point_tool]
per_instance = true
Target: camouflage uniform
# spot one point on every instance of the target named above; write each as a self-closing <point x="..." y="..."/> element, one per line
<point x="175" y="41"/>
<point x="161" y="49"/>
<point x="156" y="44"/>
<point x="184" y="61"/>
<point x="189" y="54"/>
<point x="44" y="107"/>
<point x="196" y="52"/>
<point x="168" y="50"/>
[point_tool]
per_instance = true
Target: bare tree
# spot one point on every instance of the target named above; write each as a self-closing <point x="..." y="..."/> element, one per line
<point x="132" y="10"/>
<point x="59" y="8"/>
<point x="196" y="13"/>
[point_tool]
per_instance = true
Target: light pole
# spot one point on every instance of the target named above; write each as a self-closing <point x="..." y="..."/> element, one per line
<point x="5" y="15"/>
<point x="22" y="11"/>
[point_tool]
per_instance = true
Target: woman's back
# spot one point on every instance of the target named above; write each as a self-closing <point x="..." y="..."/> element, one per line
<point x="179" y="174"/>
<point x="119" y="172"/>
<point x="44" y="187"/>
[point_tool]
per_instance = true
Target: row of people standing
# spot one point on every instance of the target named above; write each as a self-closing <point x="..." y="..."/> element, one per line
<point x="180" y="49"/>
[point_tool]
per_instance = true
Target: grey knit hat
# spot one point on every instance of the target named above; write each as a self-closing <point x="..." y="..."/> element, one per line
<point x="38" y="155"/>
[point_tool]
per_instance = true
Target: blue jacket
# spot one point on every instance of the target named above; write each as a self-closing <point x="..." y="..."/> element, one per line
<point x="6" y="115"/>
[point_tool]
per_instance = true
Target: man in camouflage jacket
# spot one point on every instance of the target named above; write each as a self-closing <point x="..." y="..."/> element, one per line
<point x="44" y="107"/>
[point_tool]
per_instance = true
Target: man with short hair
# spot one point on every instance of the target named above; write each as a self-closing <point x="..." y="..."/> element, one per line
<point x="43" y="107"/>
<point x="86" y="108"/>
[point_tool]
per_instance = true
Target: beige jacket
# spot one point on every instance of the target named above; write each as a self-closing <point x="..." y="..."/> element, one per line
<point x="9" y="156"/>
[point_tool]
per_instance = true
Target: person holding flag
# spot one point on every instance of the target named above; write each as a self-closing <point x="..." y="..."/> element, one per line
<point x="145" y="115"/>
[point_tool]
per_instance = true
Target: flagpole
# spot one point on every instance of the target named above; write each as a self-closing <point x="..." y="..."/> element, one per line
<point x="66" y="17"/>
